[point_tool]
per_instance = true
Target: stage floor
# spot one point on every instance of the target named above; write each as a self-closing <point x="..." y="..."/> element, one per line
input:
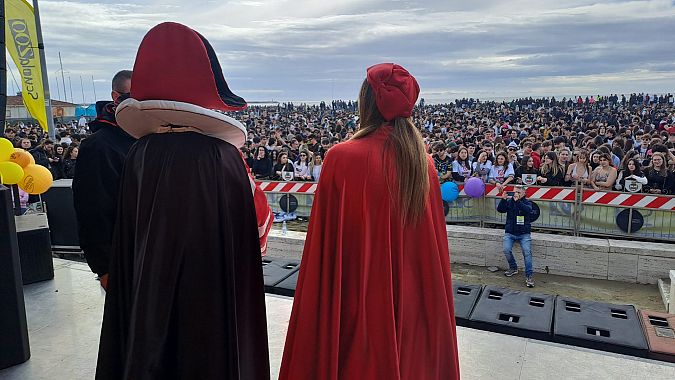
<point x="64" y="318"/>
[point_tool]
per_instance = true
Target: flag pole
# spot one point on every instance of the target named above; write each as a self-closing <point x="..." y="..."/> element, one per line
<point x="45" y="77"/>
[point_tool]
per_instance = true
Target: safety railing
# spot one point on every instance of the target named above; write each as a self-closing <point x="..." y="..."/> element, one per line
<point x="574" y="210"/>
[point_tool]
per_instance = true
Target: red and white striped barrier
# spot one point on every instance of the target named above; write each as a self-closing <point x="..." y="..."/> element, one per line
<point x="534" y="193"/>
<point x="654" y="202"/>
<point x="288" y="187"/>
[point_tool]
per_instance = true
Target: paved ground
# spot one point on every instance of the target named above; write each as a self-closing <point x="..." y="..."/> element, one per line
<point x="64" y="317"/>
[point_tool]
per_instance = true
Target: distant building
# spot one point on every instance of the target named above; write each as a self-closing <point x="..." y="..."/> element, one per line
<point x="16" y="110"/>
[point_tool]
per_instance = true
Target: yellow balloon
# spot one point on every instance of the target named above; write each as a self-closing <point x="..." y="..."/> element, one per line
<point x="6" y="149"/>
<point x="11" y="173"/>
<point x="36" y="180"/>
<point x="22" y="158"/>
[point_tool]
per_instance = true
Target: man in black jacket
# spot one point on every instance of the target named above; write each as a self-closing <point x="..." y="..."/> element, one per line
<point x="518" y="218"/>
<point x="97" y="179"/>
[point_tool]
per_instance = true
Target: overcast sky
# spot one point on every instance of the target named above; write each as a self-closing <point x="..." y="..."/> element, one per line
<point x="317" y="50"/>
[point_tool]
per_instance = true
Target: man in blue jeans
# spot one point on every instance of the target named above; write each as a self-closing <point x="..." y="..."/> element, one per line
<point x="518" y="217"/>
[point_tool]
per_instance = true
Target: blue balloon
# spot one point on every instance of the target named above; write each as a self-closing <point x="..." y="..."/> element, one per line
<point x="449" y="191"/>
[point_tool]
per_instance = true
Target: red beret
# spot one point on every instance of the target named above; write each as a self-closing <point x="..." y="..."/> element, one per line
<point x="395" y="90"/>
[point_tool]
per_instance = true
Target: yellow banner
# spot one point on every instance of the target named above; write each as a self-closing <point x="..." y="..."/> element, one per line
<point x="21" y="39"/>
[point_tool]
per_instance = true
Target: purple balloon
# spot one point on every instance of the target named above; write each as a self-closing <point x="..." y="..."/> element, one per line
<point x="474" y="187"/>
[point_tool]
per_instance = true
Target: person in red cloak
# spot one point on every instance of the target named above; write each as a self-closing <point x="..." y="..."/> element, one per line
<point x="186" y="295"/>
<point x="374" y="294"/>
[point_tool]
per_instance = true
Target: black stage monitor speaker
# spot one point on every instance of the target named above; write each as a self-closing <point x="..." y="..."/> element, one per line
<point x="514" y="312"/>
<point x="14" y="347"/>
<point x="277" y="270"/>
<point x="600" y="326"/>
<point x="465" y="297"/>
<point x="287" y="286"/>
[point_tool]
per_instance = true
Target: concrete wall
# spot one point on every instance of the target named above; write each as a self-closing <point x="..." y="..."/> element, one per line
<point x="637" y="262"/>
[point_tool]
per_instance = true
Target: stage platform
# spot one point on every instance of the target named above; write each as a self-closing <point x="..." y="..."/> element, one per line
<point x="64" y="317"/>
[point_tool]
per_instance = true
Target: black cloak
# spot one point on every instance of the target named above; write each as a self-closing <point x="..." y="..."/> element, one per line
<point x="186" y="297"/>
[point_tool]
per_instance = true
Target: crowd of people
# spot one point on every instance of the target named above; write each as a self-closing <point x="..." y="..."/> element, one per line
<point x="614" y="142"/>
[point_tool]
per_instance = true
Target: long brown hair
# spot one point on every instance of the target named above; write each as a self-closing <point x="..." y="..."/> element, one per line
<point x="410" y="158"/>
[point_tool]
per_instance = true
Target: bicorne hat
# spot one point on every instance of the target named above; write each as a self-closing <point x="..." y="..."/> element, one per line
<point x="177" y="82"/>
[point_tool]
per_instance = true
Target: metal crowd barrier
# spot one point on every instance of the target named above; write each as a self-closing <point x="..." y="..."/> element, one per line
<point x="574" y="210"/>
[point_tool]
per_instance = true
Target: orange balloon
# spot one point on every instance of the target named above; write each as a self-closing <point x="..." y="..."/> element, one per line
<point x="36" y="180"/>
<point x="22" y="158"/>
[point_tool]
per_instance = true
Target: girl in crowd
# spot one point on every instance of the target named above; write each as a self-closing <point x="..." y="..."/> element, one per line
<point x="513" y="159"/>
<point x="552" y="173"/>
<point x="302" y="170"/>
<point x="69" y="159"/>
<point x="283" y="170"/>
<point x="481" y="167"/>
<point x="501" y="173"/>
<point x="461" y="167"/>
<point x="631" y="170"/>
<point x="57" y="162"/>
<point x="526" y="167"/>
<point x="659" y="179"/>
<point x="604" y="176"/>
<point x="580" y="170"/>
<point x="315" y="167"/>
<point x="262" y="164"/>
<point x="595" y="160"/>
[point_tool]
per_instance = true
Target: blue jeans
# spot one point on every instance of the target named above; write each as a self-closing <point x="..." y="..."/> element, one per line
<point x="525" y="244"/>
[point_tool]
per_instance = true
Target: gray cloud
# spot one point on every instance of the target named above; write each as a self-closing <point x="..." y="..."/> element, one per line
<point x="310" y="50"/>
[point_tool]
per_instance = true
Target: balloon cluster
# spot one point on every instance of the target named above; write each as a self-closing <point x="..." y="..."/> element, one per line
<point x="17" y="167"/>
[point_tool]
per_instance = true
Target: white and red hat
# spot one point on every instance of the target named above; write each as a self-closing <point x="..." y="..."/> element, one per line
<point x="177" y="82"/>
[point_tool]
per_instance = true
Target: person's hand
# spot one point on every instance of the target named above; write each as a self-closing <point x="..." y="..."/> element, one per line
<point x="543" y="179"/>
<point x="500" y="187"/>
<point x="104" y="281"/>
<point x="655" y="191"/>
<point x="504" y="195"/>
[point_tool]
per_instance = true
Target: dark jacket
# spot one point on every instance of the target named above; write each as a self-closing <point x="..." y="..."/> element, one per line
<point x="68" y="167"/>
<point x="96" y="183"/>
<point x="262" y="168"/>
<point x="41" y="157"/>
<point x="656" y="181"/>
<point x="522" y="207"/>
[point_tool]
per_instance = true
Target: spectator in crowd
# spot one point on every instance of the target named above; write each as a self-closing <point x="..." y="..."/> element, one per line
<point x="315" y="167"/>
<point x="57" y="162"/>
<point x="501" y="173"/>
<point x="579" y="172"/>
<point x="461" y="167"/>
<point x="42" y="153"/>
<point x="551" y="172"/>
<point x="526" y="168"/>
<point x="604" y="176"/>
<point x="443" y="163"/>
<point x="262" y="164"/>
<point x="10" y="134"/>
<point x="630" y="171"/>
<point x="302" y="167"/>
<point x="25" y="144"/>
<point x="659" y="179"/>
<point x="518" y="227"/>
<point x="283" y="169"/>
<point x="98" y="171"/>
<point x="481" y="167"/>
<point x="69" y="160"/>
<point x="595" y="160"/>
